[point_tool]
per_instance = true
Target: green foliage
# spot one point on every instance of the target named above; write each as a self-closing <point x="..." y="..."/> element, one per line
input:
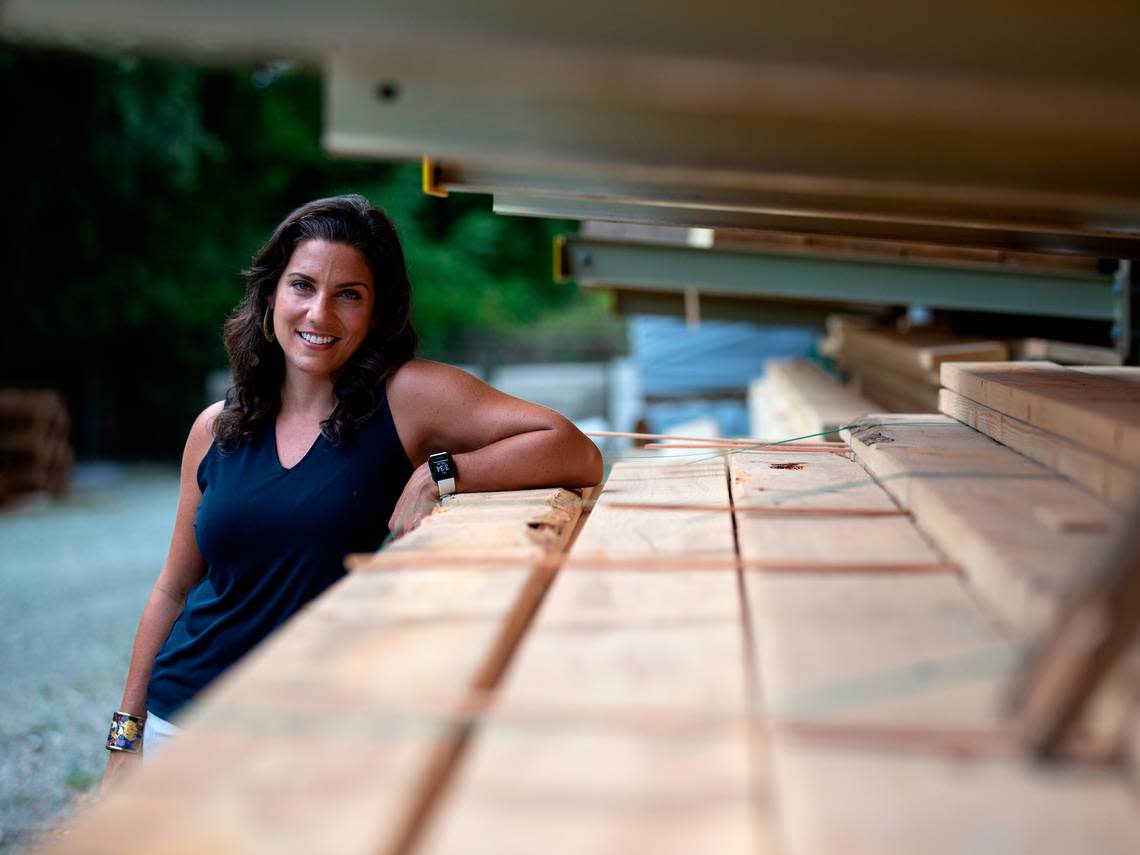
<point x="138" y="189"/>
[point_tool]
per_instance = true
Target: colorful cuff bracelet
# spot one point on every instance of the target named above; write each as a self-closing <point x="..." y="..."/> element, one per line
<point x="126" y="733"/>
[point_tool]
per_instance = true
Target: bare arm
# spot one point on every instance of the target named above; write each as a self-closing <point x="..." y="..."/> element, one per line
<point x="498" y="442"/>
<point x="183" y="568"/>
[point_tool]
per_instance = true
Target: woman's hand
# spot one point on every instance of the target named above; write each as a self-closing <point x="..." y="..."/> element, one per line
<point x="420" y="496"/>
<point x="119" y="764"/>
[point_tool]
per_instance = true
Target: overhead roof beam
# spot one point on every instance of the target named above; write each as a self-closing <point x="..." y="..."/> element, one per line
<point x="600" y="262"/>
<point x="968" y="151"/>
<point x="989" y="114"/>
<point x="714" y="307"/>
<point x="1024" y="238"/>
<point x="1091" y="43"/>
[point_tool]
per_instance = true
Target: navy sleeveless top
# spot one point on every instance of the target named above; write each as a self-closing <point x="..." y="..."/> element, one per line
<point x="274" y="538"/>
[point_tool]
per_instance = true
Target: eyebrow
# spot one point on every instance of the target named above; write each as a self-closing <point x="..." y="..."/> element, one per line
<point x="296" y="274"/>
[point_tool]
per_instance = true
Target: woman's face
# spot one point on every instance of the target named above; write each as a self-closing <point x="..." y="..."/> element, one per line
<point x="322" y="307"/>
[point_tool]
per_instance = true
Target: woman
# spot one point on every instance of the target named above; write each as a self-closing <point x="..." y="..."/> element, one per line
<point x="324" y="438"/>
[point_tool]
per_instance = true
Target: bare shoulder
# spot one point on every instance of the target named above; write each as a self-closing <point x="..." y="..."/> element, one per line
<point x="202" y="434"/>
<point x="423" y="377"/>
<point x="440" y="406"/>
<point x="421" y="388"/>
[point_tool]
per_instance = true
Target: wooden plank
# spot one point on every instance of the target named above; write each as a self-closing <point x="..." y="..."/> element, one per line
<point x="822" y="402"/>
<point x="1107" y="478"/>
<point x="877" y="650"/>
<point x="901" y="392"/>
<point x="770" y="416"/>
<point x="328" y="735"/>
<point x="918" y="353"/>
<point x="1065" y="352"/>
<point x="865" y="647"/>
<point x="1099" y="412"/>
<point x="616" y="532"/>
<point x="787" y="479"/>
<point x="981" y="504"/>
<point x="846" y="664"/>
<point x="516" y="525"/>
<point x="889" y="399"/>
<point x="1119" y="372"/>
<point x="640" y="674"/>
<point x="577" y="787"/>
<point x="1093" y="636"/>
<point x="857" y="801"/>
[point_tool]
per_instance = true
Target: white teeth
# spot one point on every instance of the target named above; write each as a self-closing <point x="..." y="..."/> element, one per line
<point x="318" y="339"/>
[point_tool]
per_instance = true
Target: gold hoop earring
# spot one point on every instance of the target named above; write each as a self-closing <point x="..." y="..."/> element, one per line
<point x="265" y="329"/>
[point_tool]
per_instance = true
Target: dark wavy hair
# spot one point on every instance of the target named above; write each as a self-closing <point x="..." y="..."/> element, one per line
<point x="258" y="365"/>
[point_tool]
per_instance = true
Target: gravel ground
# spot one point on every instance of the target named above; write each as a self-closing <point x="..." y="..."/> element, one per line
<point x="74" y="575"/>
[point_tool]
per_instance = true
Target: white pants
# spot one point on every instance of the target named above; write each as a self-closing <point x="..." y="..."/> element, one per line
<point x="158" y="732"/>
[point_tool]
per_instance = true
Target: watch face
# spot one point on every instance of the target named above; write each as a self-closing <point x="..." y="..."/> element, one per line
<point x="441" y="467"/>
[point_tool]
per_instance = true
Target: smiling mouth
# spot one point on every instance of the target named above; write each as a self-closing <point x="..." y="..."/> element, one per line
<point x="311" y="338"/>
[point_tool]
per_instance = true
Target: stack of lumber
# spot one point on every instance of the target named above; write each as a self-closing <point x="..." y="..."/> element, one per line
<point x="1081" y="422"/>
<point x="798" y="399"/>
<point x="899" y="369"/>
<point x="331" y="736"/>
<point x="1025" y="536"/>
<point x="35" y="450"/>
<point x="1064" y="352"/>
<point x="881" y="679"/>
<point x="622" y="724"/>
<point x="757" y="651"/>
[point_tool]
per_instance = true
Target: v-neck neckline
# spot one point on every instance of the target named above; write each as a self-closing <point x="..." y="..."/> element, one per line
<point x="304" y="457"/>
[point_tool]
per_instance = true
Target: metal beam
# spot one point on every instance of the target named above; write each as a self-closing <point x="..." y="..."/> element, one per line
<point x="715" y="307"/>
<point x="1020" y="238"/>
<point x="969" y="112"/>
<point x="967" y="151"/>
<point x="595" y="262"/>
<point x="1006" y="39"/>
<point x="1003" y="39"/>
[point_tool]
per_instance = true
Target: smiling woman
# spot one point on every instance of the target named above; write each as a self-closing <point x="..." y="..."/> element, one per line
<point x="322" y="308"/>
<point x="323" y="438"/>
<point x="328" y="262"/>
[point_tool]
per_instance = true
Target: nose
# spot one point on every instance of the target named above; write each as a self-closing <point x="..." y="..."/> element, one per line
<point x="320" y="307"/>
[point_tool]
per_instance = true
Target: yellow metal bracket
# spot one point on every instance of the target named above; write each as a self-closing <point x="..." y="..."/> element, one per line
<point x="559" y="258"/>
<point x="431" y="179"/>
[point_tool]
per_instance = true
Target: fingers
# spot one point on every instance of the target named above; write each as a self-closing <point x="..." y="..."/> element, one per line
<point x="118" y="764"/>
<point x="415" y="502"/>
<point x="409" y="517"/>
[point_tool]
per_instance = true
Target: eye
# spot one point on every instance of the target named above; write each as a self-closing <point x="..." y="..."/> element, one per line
<point x="351" y="295"/>
<point x="300" y="285"/>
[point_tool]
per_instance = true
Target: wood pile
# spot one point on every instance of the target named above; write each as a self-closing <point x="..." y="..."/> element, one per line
<point x="1030" y="529"/>
<point x="899" y="369"/>
<point x="1064" y="352"/>
<point x="333" y="733"/>
<point x="1081" y="422"/>
<point x="798" y="399"/>
<point x="757" y="650"/>
<point x="1022" y="533"/>
<point x="35" y="449"/>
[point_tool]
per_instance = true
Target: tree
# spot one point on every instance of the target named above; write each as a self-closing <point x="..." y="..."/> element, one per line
<point x="137" y="190"/>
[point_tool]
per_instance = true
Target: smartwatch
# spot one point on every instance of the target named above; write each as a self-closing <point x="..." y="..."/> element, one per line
<point x="443" y="472"/>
